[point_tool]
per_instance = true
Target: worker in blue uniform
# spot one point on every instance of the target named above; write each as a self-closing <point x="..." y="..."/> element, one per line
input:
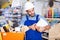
<point x="30" y="20"/>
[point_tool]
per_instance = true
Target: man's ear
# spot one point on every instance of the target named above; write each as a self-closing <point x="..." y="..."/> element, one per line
<point x="26" y="10"/>
<point x="33" y="8"/>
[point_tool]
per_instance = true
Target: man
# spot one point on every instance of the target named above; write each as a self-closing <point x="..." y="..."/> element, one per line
<point x="33" y="21"/>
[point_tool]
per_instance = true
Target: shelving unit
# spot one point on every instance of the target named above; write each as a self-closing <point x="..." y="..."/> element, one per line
<point x="53" y="19"/>
<point x="45" y="37"/>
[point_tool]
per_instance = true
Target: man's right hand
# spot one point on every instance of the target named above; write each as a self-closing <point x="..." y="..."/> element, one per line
<point x="24" y="29"/>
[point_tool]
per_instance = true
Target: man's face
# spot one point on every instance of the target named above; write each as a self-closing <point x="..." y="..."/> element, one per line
<point x="31" y="12"/>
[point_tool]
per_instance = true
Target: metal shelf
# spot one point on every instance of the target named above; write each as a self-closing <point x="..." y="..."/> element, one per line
<point x="45" y="37"/>
<point x="53" y="18"/>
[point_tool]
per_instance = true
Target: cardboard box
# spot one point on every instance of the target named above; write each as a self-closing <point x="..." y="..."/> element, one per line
<point x="54" y="32"/>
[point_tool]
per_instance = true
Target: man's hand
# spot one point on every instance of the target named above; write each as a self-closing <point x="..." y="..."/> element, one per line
<point x="41" y="29"/>
<point x="24" y="29"/>
<point x="32" y="27"/>
<point x="38" y="28"/>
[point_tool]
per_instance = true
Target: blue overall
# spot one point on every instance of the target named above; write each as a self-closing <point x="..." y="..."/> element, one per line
<point x="32" y="34"/>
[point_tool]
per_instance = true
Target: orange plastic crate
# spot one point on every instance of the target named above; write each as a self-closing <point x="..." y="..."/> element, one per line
<point x="0" y="36"/>
<point x="12" y="36"/>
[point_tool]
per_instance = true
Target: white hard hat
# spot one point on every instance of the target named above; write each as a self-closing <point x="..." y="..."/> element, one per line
<point x="28" y="6"/>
